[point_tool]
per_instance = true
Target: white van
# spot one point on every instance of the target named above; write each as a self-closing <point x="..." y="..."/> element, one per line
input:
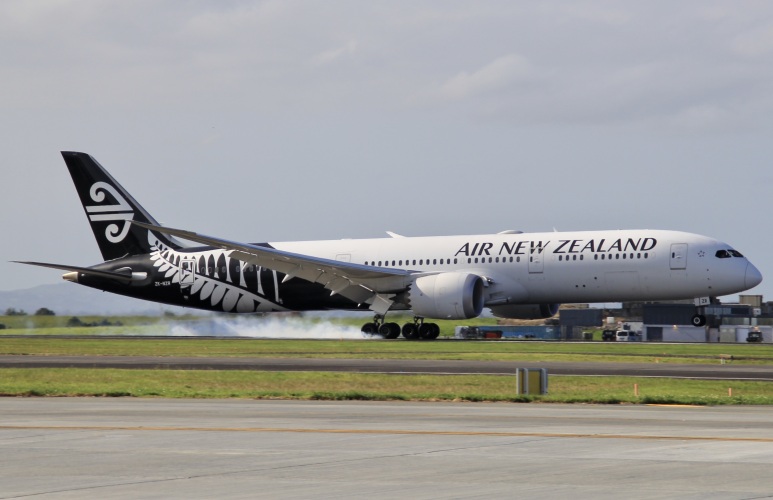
<point x="626" y="336"/>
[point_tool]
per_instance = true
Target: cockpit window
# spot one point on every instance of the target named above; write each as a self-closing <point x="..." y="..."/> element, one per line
<point x="726" y="254"/>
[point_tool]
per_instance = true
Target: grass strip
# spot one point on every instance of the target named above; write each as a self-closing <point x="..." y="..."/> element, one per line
<point x="377" y="387"/>
<point x="379" y="349"/>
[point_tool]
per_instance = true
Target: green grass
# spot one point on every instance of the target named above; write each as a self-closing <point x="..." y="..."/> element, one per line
<point x="379" y="349"/>
<point x="335" y="386"/>
<point x="354" y="386"/>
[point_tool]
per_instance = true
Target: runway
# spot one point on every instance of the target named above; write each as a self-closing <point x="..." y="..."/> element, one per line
<point x="728" y="371"/>
<point x="154" y="448"/>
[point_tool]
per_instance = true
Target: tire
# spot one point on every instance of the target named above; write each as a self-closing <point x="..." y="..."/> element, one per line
<point x="410" y="331"/>
<point x="429" y="331"/>
<point x="390" y="330"/>
<point x="369" y="328"/>
<point x="699" y="320"/>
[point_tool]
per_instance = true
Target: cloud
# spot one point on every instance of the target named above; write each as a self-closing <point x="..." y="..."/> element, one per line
<point x="755" y="43"/>
<point x="501" y="73"/>
<point x="332" y="55"/>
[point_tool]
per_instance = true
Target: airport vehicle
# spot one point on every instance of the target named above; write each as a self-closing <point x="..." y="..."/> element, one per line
<point x="514" y="274"/>
<point x="626" y="336"/>
<point x="608" y="336"/>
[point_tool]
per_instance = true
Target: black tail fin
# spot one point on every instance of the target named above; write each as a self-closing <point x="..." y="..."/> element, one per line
<point x="110" y="210"/>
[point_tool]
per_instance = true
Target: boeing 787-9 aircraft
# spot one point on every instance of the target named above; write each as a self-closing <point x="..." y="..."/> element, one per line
<point x="514" y="274"/>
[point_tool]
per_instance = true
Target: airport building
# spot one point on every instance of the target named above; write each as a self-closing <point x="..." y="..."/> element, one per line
<point x="750" y="320"/>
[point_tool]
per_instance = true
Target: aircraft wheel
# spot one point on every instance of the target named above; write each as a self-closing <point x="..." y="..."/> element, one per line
<point x="429" y="331"/>
<point x="390" y="330"/>
<point x="410" y="331"/>
<point x="369" y="328"/>
<point x="699" y="320"/>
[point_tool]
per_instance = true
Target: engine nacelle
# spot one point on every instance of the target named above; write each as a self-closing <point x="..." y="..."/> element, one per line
<point x="525" y="311"/>
<point x="447" y="296"/>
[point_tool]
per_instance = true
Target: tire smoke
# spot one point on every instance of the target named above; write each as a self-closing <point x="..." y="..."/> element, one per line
<point x="265" y="328"/>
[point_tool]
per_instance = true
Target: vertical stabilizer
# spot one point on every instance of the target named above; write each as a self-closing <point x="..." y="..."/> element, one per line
<point x="111" y="210"/>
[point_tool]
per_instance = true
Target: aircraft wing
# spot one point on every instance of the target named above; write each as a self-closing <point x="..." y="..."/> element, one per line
<point x="360" y="283"/>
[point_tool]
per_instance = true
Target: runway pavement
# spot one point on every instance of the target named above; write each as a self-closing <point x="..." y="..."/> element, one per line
<point x="728" y="371"/>
<point x="74" y="448"/>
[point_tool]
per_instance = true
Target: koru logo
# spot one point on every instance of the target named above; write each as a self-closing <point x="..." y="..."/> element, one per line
<point x="122" y="211"/>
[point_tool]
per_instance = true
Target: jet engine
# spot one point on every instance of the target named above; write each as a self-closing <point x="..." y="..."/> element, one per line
<point x="525" y="311"/>
<point x="447" y="296"/>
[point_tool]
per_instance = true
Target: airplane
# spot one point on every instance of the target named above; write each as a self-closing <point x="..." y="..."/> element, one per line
<point x="512" y="273"/>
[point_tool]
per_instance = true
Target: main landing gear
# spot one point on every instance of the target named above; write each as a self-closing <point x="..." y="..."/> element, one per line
<point x="411" y="331"/>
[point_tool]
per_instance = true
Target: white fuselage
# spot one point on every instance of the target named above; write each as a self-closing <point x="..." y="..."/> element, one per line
<point x="561" y="267"/>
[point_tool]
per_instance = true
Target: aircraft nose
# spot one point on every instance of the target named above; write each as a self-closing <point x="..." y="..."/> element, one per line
<point x="753" y="276"/>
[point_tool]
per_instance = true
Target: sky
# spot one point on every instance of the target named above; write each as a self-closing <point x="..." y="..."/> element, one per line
<point x="300" y="120"/>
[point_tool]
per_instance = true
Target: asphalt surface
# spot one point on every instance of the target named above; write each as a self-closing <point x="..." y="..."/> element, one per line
<point x="75" y="448"/>
<point x="728" y="371"/>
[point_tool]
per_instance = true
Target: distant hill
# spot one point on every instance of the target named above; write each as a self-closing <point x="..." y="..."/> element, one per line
<point x="70" y="299"/>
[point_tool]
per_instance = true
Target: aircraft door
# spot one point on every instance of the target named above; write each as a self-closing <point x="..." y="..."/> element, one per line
<point x="187" y="275"/>
<point x="679" y="256"/>
<point x="536" y="264"/>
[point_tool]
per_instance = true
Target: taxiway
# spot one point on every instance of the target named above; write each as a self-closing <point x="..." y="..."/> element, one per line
<point x="156" y="448"/>
<point x="715" y="371"/>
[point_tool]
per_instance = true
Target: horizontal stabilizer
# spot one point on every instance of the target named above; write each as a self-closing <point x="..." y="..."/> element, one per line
<point x="127" y="276"/>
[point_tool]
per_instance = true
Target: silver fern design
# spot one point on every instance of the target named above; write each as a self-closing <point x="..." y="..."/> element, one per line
<point x="225" y="286"/>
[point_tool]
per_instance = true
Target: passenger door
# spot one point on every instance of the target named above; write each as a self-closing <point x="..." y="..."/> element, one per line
<point x="679" y="256"/>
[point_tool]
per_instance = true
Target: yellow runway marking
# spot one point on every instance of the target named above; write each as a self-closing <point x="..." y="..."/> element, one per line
<point x="384" y="432"/>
